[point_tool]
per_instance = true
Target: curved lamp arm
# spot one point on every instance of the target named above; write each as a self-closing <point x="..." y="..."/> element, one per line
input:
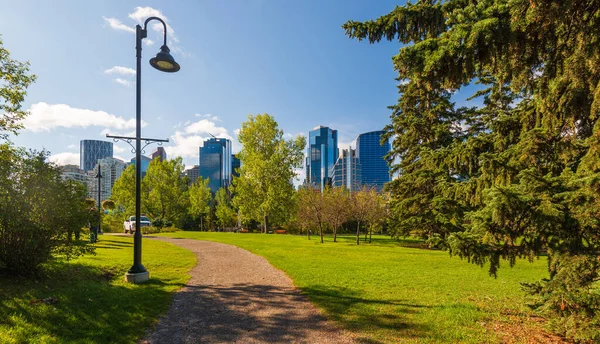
<point x="164" y="25"/>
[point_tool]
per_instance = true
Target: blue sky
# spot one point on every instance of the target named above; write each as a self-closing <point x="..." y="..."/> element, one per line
<point x="290" y="59"/>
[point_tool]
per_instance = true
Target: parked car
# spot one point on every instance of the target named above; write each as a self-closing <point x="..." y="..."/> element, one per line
<point x="129" y="224"/>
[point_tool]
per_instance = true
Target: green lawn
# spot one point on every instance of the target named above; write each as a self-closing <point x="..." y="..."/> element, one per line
<point x="388" y="293"/>
<point x="87" y="299"/>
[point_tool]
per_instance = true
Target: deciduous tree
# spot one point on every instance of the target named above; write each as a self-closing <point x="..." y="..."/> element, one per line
<point x="264" y="188"/>
<point x="200" y="199"/>
<point x="336" y="208"/>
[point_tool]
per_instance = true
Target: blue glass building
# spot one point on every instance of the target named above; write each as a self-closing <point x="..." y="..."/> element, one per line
<point x="321" y="155"/>
<point x="215" y="162"/>
<point x="235" y="165"/>
<point x="90" y="151"/>
<point x="144" y="166"/>
<point x="375" y="171"/>
<point x="347" y="171"/>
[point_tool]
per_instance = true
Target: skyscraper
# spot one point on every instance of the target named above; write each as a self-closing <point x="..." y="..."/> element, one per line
<point x="215" y="162"/>
<point x="90" y="151"/>
<point x="192" y="173"/>
<point x="347" y="171"/>
<point x="73" y="172"/>
<point x="145" y="163"/>
<point x="371" y="153"/>
<point x="235" y="164"/>
<point x="111" y="169"/>
<point x="160" y="153"/>
<point x="321" y="154"/>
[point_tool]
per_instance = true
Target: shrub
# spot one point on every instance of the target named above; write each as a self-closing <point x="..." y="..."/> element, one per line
<point x="41" y="216"/>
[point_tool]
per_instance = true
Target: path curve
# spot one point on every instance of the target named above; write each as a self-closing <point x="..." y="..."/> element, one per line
<point x="235" y="296"/>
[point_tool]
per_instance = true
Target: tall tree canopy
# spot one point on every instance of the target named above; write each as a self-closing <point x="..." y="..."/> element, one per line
<point x="264" y="188"/>
<point x="14" y="80"/>
<point x="165" y="191"/>
<point x="517" y="175"/>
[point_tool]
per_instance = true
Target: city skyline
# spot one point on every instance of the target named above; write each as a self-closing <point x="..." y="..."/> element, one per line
<point x="217" y="86"/>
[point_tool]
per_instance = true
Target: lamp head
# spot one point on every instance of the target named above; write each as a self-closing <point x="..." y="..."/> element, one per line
<point x="164" y="62"/>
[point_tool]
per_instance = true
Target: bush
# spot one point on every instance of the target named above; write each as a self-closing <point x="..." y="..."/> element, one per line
<point x="41" y="216"/>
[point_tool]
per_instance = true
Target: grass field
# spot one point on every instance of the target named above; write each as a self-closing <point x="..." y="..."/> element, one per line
<point x="87" y="301"/>
<point x="388" y="293"/>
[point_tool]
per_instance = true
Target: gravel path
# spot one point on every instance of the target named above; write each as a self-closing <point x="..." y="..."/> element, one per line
<point x="235" y="296"/>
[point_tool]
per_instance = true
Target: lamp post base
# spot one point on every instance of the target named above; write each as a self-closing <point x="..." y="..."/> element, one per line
<point x="136" y="278"/>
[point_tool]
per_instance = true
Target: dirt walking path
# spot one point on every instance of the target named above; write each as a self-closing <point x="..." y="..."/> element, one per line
<point x="235" y="296"/>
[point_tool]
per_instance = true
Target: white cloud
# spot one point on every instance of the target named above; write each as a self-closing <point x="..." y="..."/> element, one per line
<point x="237" y="131"/>
<point x="117" y="25"/>
<point x="66" y="158"/>
<point x="73" y="147"/>
<point x="123" y="82"/>
<point x="208" y="127"/>
<point x="185" y="146"/>
<point x="140" y="14"/>
<point x="186" y="142"/>
<point x="44" y="117"/>
<point x="120" y="70"/>
<point x="118" y="149"/>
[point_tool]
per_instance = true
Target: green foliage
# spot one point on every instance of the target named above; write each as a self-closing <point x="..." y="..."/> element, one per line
<point x="123" y="191"/>
<point x="165" y="191"/>
<point x="89" y="301"/>
<point x="518" y="175"/>
<point x="226" y="215"/>
<point x="264" y="189"/>
<point x="14" y="80"/>
<point x="39" y="212"/>
<point x="200" y="199"/>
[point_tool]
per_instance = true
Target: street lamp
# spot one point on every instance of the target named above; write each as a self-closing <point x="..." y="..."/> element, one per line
<point x="164" y="62"/>
<point x="99" y="176"/>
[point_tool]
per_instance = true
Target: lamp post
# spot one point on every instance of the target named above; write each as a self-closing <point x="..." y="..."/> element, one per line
<point x="99" y="176"/>
<point x="164" y="62"/>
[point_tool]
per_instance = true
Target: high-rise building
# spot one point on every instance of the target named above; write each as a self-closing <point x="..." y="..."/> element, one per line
<point x="160" y="153"/>
<point x="90" y="151"/>
<point x="192" y="173"/>
<point x="321" y="154"/>
<point x="375" y="171"/>
<point x="347" y="171"/>
<point x="215" y="162"/>
<point x="235" y="164"/>
<point x="145" y="163"/>
<point x="73" y="172"/>
<point x="111" y="169"/>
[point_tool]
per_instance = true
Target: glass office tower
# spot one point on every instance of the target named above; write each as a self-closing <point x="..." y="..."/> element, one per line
<point x="215" y="162"/>
<point x="347" y="171"/>
<point x="371" y="153"/>
<point x="90" y="151"/>
<point x="321" y="155"/>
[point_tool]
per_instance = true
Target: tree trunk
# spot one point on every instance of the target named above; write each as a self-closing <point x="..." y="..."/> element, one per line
<point x="265" y="223"/>
<point x="308" y="233"/>
<point x="366" y="232"/>
<point x="202" y="223"/>
<point x="358" y="233"/>
<point x="370" y="235"/>
<point x="334" y="235"/>
<point x="321" y="232"/>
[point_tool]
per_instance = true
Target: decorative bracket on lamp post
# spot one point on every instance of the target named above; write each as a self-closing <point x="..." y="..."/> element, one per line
<point x="129" y="139"/>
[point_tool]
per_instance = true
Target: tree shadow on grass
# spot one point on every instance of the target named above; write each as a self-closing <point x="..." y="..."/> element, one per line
<point x="79" y="303"/>
<point x="364" y="313"/>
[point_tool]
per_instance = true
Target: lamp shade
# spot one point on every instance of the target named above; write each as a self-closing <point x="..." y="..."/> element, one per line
<point x="164" y="62"/>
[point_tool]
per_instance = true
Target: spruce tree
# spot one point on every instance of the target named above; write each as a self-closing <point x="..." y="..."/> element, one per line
<point x="519" y="175"/>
